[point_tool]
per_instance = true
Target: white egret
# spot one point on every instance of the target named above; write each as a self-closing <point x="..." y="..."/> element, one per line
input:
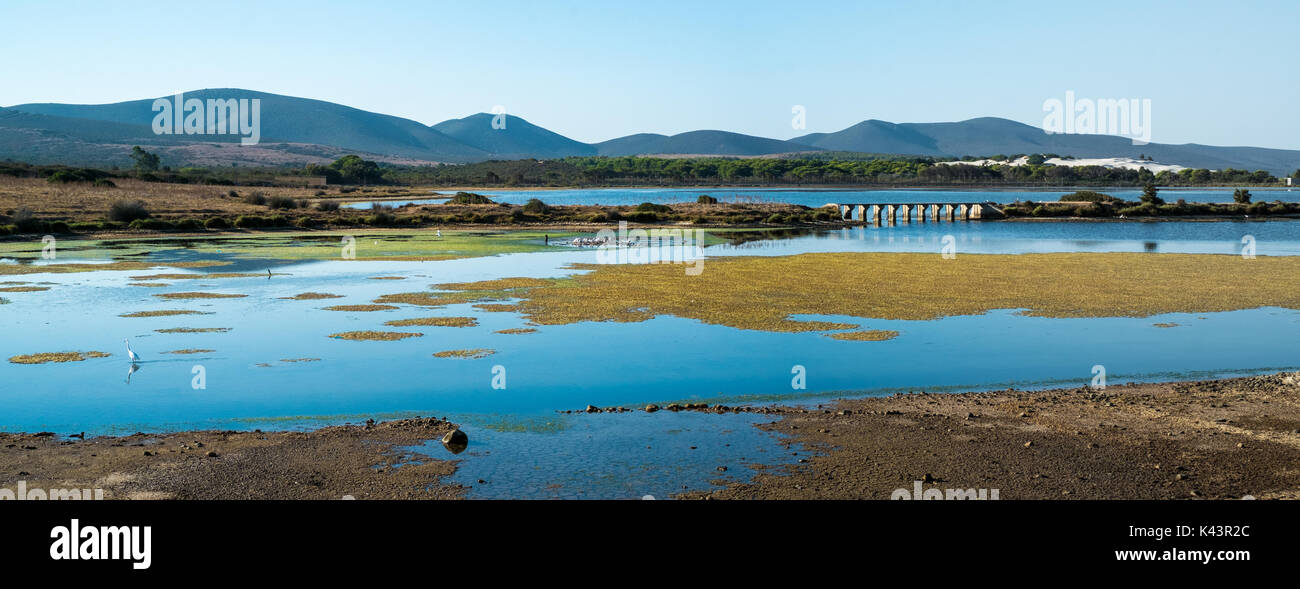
<point x="131" y="353"/>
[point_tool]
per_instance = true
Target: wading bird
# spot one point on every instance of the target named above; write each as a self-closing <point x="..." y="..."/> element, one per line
<point x="131" y="353"/>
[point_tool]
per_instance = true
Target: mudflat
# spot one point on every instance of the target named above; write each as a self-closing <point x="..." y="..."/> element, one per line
<point x="357" y="460"/>
<point x="1218" y="439"/>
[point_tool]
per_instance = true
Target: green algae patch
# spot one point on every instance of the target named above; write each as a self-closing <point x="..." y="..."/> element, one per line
<point x="473" y="354"/>
<point x="763" y="293"/>
<point x="191" y="351"/>
<point x="198" y="295"/>
<point x="516" y="330"/>
<point x="163" y="313"/>
<point x="361" y="308"/>
<point x="4" y="301"/>
<point x="56" y="357"/>
<point x="312" y="296"/>
<point x="870" y="335"/>
<point x="434" y="322"/>
<point x="375" y="336"/>
<point x="24" y="288"/>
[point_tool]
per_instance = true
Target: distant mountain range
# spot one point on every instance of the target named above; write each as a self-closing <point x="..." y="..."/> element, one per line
<point x="296" y="131"/>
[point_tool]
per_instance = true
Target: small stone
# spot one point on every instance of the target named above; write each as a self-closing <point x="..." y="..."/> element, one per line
<point x="1028" y="444"/>
<point x="593" y="409"/>
<point x="213" y="455"/>
<point x="651" y="408"/>
<point x="722" y="469"/>
<point x="148" y="453"/>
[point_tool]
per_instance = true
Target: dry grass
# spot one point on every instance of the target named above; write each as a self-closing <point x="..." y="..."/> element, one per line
<point x="312" y="296"/>
<point x="361" y="308"/>
<point x="83" y="202"/>
<point x="198" y="295"/>
<point x="149" y="284"/>
<point x="763" y="292"/>
<point x="387" y="278"/>
<point x="24" y="288"/>
<point x="163" y="313"/>
<point x="473" y="354"/>
<point x="1165" y="325"/>
<point x="434" y="322"/>
<point x="51" y="357"/>
<point x="517" y="330"/>
<point x="295" y="360"/>
<point x="870" y="335"/>
<point x="384" y="336"/>
<point x="191" y="351"/>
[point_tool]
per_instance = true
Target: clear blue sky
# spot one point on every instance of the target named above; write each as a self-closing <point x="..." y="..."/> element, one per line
<point x="1221" y="73"/>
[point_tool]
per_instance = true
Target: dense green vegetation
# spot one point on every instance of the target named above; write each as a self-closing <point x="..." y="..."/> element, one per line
<point x="1095" y="204"/>
<point x="627" y="171"/>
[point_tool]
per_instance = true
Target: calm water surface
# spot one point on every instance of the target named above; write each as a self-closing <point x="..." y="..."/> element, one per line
<point x="520" y="445"/>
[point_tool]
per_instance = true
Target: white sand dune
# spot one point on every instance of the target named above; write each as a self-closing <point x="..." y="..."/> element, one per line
<point x="1126" y="163"/>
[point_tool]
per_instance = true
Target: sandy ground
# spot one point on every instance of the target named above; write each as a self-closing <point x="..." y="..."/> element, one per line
<point x="361" y="461"/>
<point x="1211" y="439"/>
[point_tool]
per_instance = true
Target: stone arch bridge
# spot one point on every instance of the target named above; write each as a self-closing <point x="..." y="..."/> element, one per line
<point x="907" y="212"/>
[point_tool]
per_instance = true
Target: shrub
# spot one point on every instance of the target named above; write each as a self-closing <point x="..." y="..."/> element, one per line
<point x="57" y="227"/>
<point x="232" y="194"/>
<point x="705" y="199"/>
<point x="281" y="202"/>
<point x="469" y="198"/>
<point x="775" y="218"/>
<point x="104" y="183"/>
<point x="25" y="221"/>
<point x="535" y="206"/>
<point x="644" y="217"/>
<point x="189" y="225"/>
<point x="249" y="222"/>
<point x="85" y="226"/>
<point x="1241" y="196"/>
<point x="306" y="222"/>
<point x="216" y="223"/>
<point x="150" y="224"/>
<point x="255" y="198"/>
<point x="597" y="218"/>
<point x="1088" y="196"/>
<point x="1258" y="208"/>
<point x="327" y="205"/>
<point x="649" y="207"/>
<point x="126" y="211"/>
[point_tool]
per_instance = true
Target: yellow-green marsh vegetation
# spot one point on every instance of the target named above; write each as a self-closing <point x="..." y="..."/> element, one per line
<point x="198" y="295"/>
<point x="764" y="292"/>
<point x="312" y="296"/>
<point x="191" y="351"/>
<point x="517" y="330"/>
<point x="473" y="354"/>
<point x="870" y="335"/>
<point x="163" y="313"/>
<point x="379" y="336"/>
<point x="50" y="357"/>
<point x="193" y="330"/>
<point x="434" y="322"/>
<point x="361" y="308"/>
<point x="24" y="288"/>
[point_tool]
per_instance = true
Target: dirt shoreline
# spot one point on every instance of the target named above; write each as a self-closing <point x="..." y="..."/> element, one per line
<point x="1216" y="439"/>
<point x="361" y="461"/>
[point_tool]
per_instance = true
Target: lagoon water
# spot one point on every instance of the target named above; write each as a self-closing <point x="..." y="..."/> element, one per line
<point x="519" y="441"/>
<point x="820" y="196"/>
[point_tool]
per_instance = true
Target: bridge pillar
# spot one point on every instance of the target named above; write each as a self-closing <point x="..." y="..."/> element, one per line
<point x="976" y="211"/>
<point x="949" y="210"/>
<point x="875" y="214"/>
<point x="963" y="212"/>
<point x="935" y="211"/>
<point x="889" y="214"/>
<point x="906" y="213"/>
